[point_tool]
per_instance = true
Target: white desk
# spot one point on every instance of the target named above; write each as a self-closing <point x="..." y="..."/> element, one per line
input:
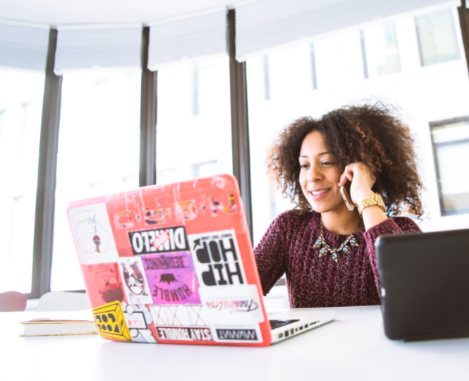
<point x="351" y="348"/>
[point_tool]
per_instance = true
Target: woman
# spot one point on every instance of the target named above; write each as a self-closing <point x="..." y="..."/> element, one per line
<point x="326" y="250"/>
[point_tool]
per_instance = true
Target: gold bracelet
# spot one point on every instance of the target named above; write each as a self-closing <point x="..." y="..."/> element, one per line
<point x="376" y="199"/>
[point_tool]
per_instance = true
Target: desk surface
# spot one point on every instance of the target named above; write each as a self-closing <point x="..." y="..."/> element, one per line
<point x="353" y="347"/>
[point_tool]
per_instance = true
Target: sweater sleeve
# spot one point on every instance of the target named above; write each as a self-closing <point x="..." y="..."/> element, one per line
<point x="270" y="253"/>
<point x="393" y="225"/>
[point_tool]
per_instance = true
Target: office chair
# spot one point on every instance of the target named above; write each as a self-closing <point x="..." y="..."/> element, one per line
<point x="12" y="301"/>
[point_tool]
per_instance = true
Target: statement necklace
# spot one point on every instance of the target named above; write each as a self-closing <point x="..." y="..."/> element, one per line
<point x="336" y="252"/>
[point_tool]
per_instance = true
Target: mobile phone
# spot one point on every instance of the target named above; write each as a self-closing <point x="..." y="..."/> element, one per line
<point x="348" y="201"/>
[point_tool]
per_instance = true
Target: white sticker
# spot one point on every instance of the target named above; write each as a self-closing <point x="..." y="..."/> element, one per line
<point x="185" y="316"/>
<point x="92" y="233"/>
<point x="135" y="283"/>
<point x="237" y="333"/>
<point x="216" y="259"/>
<point x="237" y="304"/>
<point x="138" y="319"/>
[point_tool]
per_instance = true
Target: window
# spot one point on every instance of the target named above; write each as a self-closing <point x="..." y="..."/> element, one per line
<point x="451" y="149"/>
<point x="381" y="50"/>
<point x="194" y="120"/>
<point x="21" y="95"/>
<point x="98" y="153"/>
<point x="375" y="63"/>
<point x="437" y="37"/>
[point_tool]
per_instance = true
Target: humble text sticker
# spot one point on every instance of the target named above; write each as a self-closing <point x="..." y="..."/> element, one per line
<point x="171" y="278"/>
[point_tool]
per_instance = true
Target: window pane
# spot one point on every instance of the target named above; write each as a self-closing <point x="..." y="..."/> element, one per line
<point x="382" y="53"/>
<point x="194" y="121"/>
<point x="437" y="37"/>
<point x="21" y="96"/>
<point x="339" y="65"/>
<point x="451" y="143"/>
<point x="98" y="153"/>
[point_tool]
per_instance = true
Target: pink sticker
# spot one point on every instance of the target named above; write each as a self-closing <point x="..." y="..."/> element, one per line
<point x="171" y="278"/>
<point x="160" y="240"/>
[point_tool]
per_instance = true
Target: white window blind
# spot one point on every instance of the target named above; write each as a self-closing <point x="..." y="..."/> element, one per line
<point x="23" y="45"/>
<point x="91" y="47"/>
<point x="188" y="38"/>
<point x="268" y="24"/>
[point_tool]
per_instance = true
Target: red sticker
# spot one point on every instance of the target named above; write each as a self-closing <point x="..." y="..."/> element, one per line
<point x="160" y="240"/>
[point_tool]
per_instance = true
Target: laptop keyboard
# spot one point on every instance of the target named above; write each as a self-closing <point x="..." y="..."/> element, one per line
<point x="274" y="324"/>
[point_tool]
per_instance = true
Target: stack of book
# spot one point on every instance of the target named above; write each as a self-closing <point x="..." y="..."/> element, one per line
<point x="54" y="327"/>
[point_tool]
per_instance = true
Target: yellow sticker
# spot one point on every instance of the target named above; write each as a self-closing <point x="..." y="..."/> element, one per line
<point x="110" y="322"/>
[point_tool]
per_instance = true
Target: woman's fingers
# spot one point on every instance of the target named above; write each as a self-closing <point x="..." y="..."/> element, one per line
<point x="343" y="180"/>
<point x="349" y="172"/>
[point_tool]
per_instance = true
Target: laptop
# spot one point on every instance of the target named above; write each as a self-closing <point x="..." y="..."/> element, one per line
<point x="174" y="264"/>
<point x="424" y="285"/>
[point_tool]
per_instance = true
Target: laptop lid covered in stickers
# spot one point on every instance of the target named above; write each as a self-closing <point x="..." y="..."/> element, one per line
<point x="171" y="264"/>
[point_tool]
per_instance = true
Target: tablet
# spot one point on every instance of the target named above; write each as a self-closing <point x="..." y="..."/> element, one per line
<point x="424" y="280"/>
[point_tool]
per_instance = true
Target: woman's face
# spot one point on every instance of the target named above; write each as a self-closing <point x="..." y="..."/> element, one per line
<point x="320" y="175"/>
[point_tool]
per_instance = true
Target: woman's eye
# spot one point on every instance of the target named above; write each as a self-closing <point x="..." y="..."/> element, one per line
<point x="327" y="163"/>
<point x="303" y="165"/>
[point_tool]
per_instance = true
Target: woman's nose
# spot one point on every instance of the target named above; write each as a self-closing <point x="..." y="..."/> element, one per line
<point x="313" y="173"/>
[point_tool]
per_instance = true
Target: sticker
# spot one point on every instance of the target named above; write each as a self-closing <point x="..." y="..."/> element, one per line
<point x="135" y="283"/>
<point x="185" y="210"/>
<point x="92" y="233"/>
<point x="186" y="323"/>
<point x="217" y="259"/>
<point x="216" y="206"/>
<point x="104" y="284"/>
<point x="171" y="278"/>
<point x="237" y="304"/>
<point x="160" y="240"/>
<point x="124" y="219"/>
<point x="184" y="333"/>
<point x="139" y="321"/>
<point x="110" y="322"/>
<point x="141" y="241"/>
<point x="237" y="333"/>
<point x="153" y="217"/>
<point x="180" y="316"/>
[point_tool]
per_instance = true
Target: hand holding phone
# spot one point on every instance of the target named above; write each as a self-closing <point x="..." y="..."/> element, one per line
<point x="361" y="182"/>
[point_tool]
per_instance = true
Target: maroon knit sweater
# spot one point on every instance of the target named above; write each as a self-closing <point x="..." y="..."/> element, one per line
<point x="287" y="247"/>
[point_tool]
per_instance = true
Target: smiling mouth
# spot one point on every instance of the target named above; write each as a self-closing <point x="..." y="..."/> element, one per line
<point x="316" y="193"/>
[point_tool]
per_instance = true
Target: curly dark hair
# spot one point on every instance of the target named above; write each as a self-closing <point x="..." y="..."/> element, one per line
<point x="370" y="134"/>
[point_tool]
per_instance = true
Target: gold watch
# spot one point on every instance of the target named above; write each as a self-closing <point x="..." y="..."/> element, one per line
<point x="376" y="199"/>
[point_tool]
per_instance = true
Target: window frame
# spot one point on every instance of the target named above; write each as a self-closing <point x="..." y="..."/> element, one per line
<point x="440" y="123"/>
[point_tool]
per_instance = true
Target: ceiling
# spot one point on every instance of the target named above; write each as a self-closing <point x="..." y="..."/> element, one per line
<point x="55" y="12"/>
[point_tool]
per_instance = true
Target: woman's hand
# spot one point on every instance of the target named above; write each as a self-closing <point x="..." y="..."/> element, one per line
<point x="361" y="179"/>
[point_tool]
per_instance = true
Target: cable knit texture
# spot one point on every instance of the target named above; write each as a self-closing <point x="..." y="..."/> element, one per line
<point x="287" y="247"/>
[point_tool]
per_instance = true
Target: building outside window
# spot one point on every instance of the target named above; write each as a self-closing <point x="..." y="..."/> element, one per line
<point x="98" y="153"/>
<point x="451" y="150"/>
<point x="437" y="37"/>
<point x="381" y="50"/>
<point x="194" y="115"/>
